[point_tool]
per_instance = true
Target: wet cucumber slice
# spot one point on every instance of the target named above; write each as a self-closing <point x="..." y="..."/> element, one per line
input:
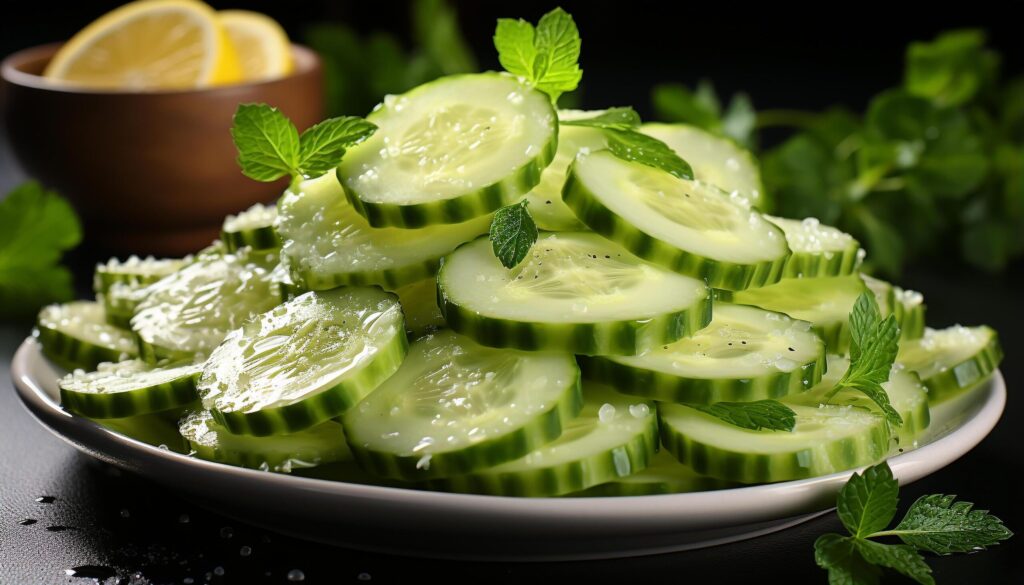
<point x="885" y="296"/>
<point x="952" y="360"/>
<point x="450" y="150"/>
<point x="910" y="312"/>
<point x="254" y="227"/>
<point x="129" y="388"/>
<point x="120" y="302"/>
<point x="575" y="292"/>
<point x="825" y="440"/>
<point x="687" y="226"/>
<point x="419" y="303"/>
<point x="317" y="445"/>
<point x="188" y="313"/>
<point x="135" y="270"/>
<point x="614" y="437"/>
<point x="77" y="335"/>
<point x="327" y="244"/>
<point x="305" y="361"/>
<point x="665" y="475"/>
<point x="745" y="354"/>
<point x="818" y="249"/>
<point x="455" y="407"/>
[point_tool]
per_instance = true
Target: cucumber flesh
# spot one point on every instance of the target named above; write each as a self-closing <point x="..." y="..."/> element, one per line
<point x="910" y="312"/>
<point x="885" y="296"/>
<point x="687" y="226"/>
<point x="135" y="270"/>
<point x="129" y="388"/>
<point x="952" y="360"/>
<point x="745" y="354"/>
<point x="254" y="227"/>
<point x="575" y="292"/>
<point x="450" y="150"/>
<point x="159" y="429"/>
<point x="305" y="361"/>
<point x="818" y="249"/>
<point x="77" y="335"/>
<point x="455" y="407"/>
<point x="419" y="303"/>
<point x="120" y="302"/>
<point x="665" y="475"/>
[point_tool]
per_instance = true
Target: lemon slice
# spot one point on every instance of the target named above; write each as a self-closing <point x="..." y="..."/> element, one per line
<point x="149" y="45"/>
<point x="263" y="49"/>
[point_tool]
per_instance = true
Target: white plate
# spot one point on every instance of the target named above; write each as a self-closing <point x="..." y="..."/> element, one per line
<point x="488" y="527"/>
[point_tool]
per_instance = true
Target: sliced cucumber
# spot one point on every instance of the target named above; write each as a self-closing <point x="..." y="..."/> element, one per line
<point x="746" y="353"/>
<point x="614" y="437"/>
<point x="910" y="311"/>
<point x="328" y="244"/>
<point x="451" y="150"/>
<point x="575" y="292"/>
<point x="120" y="302"/>
<point x="254" y="227"/>
<point x="281" y="279"/>
<point x="77" y="335"/>
<point x="715" y="160"/>
<point x="159" y="429"/>
<point x="687" y="226"/>
<point x="825" y="440"/>
<point x="419" y="303"/>
<point x="665" y="475"/>
<point x="129" y="388"/>
<point x="825" y="302"/>
<point x="135" y="270"/>
<point x="189" y="312"/>
<point x="952" y="360"/>
<point x="323" y="443"/>
<point x="885" y="296"/>
<point x="818" y="249"/>
<point x="305" y="361"/>
<point x="455" y="407"/>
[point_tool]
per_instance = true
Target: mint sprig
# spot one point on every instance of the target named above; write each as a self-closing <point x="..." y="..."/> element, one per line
<point x="513" y="232"/>
<point x="759" y="414"/>
<point x="624" y="141"/>
<point x="270" y="147"/>
<point x="547" y="56"/>
<point x="934" y="523"/>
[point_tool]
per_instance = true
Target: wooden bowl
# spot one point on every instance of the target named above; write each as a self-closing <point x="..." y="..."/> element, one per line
<point x="149" y="172"/>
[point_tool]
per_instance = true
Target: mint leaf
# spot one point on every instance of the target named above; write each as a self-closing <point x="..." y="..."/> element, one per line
<point x="757" y="415"/>
<point x="512" y="233"/>
<point x="840" y="557"/>
<point x="900" y="557"/>
<point x="939" y="524"/>
<point x="267" y="142"/>
<point x="546" y="57"/>
<point x="610" y="119"/>
<point x="867" y="503"/>
<point x="864" y="319"/>
<point x="36" y="228"/>
<point x="322" y="146"/>
<point x="633" y="146"/>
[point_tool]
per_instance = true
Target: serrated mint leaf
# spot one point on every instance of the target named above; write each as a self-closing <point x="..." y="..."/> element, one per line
<point x="839" y="556"/>
<point x="864" y="319"/>
<point x="867" y="503"/>
<point x="899" y="557"/>
<point x="513" y="38"/>
<point x="267" y="142"/>
<point x="633" y="146"/>
<point x="322" y="146"/>
<point x="513" y="232"/>
<point x="760" y="414"/>
<point x="547" y="56"/>
<point x="610" y="119"/>
<point x="938" y="523"/>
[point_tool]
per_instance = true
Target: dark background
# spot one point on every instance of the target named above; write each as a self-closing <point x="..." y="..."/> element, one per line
<point x="806" y="57"/>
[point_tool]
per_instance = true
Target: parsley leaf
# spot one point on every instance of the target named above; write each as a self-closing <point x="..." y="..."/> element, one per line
<point x="512" y="233"/>
<point x="547" y="56"/>
<point x="939" y="524"/>
<point x="610" y="119"/>
<point x="756" y="415"/>
<point x="36" y="227"/>
<point x="867" y="503"/>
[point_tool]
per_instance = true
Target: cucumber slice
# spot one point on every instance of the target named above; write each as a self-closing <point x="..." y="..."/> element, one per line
<point x="745" y="354"/>
<point x="575" y="292"/>
<point x="686" y="226"/>
<point x="952" y="360"/>
<point x="883" y="291"/>
<point x="191" y="311"/>
<point x="450" y="150"/>
<point x="715" y="160"/>
<point x="281" y="279"/>
<point x="77" y="335"/>
<point x="419" y="303"/>
<point x="455" y="407"/>
<point x="825" y="302"/>
<point x="665" y="475"/>
<point x="159" y="429"/>
<point x="135" y="270"/>
<point x="254" y="227"/>
<point x="129" y="388"/>
<point x="328" y="244"/>
<point x="910" y="311"/>
<point x="825" y="440"/>
<point x="305" y="361"/>
<point x="120" y="302"/>
<point x="818" y="249"/>
<point x="323" y="443"/>
<point x="614" y="437"/>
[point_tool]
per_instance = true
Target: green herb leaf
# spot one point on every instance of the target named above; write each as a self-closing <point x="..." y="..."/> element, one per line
<point x="877" y="343"/>
<point x="939" y="524"/>
<point x="546" y="57"/>
<point x="900" y="557"/>
<point x="436" y="29"/>
<point x="36" y="228"/>
<point x="512" y="233"/>
<point x="840" y="557"/>
<point x="867" y="503"/>
<point x="676" y="103"/>
<point x="864" y="319"/>
<point x="952" y="69"/>
<point x="323" y="145"/>
<point x="267" y="142"/>
<point x="610" y="119"/>
<point x="756" y="415"/>
<point x="634" y="146"/>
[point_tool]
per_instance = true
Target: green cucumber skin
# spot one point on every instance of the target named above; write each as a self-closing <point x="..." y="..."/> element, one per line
<point x="718" y="274"/>
<point x="261" y="238"/>
<point x="604" y="338"/>
<point x="843" y="263"/>
<point x="668" y="388"/>
<point x="148" y="400"/>
<point x="103" y="279"/>
<point x="325" y="405"/>
<point x="541" y="430"/>
<point x="966" y="375"/>
<point x="563" y="479"/>
<point x="912" y="322"/>
<point x="154" y="354"/>
<point x="71" y="353"/>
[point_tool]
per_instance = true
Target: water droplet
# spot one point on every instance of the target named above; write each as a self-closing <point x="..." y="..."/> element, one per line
<point x="188" y="580"/>
<point x="46" y="499"/>
<point x="364" y="576"/>
<point x="28" y="522"/>
<point x="219" y="571"/>
<point x="60" y="528"/>
<point x="183" y="519"/>
<point x="96" y="572"/>
<point x="227" y="532"/>
<point x="295" y="575"/>
<point x="125" y="513"/>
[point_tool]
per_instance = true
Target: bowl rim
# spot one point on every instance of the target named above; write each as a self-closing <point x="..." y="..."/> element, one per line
<point x="306" y="61"/>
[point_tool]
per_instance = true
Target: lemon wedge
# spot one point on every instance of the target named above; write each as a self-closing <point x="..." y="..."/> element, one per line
<point x="149" y="45"/>
<point x="263" y="49"/>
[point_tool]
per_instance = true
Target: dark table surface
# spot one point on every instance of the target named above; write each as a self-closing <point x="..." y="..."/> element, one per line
<point x="67" y="519"/>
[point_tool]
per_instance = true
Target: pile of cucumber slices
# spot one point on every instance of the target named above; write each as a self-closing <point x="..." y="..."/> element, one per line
<point x="363" y="329"/>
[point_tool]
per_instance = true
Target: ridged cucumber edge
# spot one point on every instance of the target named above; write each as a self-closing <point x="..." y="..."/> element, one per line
<point x="261" y="238"/>
<point x="807" y="265"/>
<point x="965" y="375"/>
<point x="389" y="278"/>
<point x="70" y="352"/>
<point x="141" y="401"/>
